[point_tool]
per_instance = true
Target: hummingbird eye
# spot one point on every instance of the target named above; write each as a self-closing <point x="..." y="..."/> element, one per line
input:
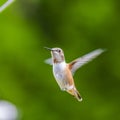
<point x="59" y="51"/>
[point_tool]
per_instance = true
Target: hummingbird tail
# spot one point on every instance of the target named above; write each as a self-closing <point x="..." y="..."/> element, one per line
<point x="75" y="93"/>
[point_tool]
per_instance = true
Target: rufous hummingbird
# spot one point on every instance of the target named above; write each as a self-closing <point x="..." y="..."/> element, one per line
<point x="63" y="72"/>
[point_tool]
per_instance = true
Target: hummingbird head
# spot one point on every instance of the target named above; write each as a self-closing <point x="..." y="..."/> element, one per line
<point x="57" y="54"/>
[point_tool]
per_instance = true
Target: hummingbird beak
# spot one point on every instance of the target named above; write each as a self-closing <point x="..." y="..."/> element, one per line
<point x="48" y="48"/>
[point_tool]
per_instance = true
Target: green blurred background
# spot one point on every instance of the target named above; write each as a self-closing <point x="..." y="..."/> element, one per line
<point x="76" y="26"/>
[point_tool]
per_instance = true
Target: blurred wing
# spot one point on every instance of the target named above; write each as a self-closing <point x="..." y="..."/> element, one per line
<point x="74" y="65"/>
<point x="49" y="61"/>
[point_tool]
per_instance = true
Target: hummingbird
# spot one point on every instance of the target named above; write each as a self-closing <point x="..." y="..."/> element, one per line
<point x="63" y="72"/>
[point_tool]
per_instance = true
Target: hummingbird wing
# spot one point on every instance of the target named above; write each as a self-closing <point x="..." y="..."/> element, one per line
<point x="79" y="62"/>
<point x="49" y="61"/>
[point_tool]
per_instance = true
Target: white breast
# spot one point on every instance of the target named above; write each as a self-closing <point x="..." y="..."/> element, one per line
<point x="59" y="67"/>
<point x="58" y="71"/>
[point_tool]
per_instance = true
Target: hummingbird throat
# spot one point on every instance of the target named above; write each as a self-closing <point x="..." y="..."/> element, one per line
<point x="58" y="60"/>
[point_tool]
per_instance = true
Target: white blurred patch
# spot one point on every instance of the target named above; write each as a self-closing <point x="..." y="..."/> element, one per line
<point x="49" y="61"/>
<point x="5" y="5"/>
<point x="8" y="111"/>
